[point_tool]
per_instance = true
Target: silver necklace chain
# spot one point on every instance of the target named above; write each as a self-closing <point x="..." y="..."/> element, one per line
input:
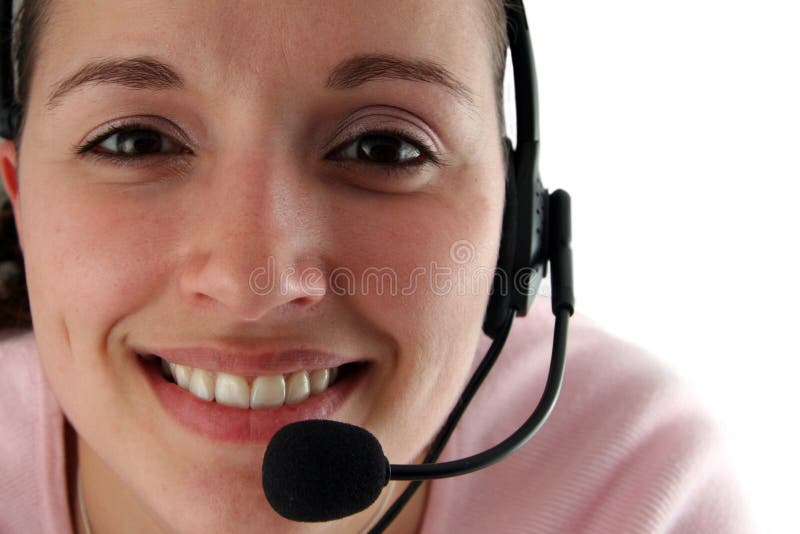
<point x="86" y="528"/>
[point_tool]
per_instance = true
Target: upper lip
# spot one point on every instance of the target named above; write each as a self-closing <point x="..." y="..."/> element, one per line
<point x="248" y="361"/>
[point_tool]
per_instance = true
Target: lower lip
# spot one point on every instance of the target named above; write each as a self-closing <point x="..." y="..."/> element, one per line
<point x="224" y="423"/>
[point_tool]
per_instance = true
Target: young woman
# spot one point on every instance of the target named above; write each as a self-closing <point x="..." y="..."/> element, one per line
<point x="238" y="215"/>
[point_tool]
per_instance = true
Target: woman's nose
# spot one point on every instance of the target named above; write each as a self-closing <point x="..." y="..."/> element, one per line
<point x="255" y="249"/>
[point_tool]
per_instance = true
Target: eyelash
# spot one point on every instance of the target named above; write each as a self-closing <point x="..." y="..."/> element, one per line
<point x="428" y="155"/>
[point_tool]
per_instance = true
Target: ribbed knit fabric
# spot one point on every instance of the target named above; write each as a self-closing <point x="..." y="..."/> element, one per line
<point x="627" y="449"/>
<point x="33" y="487"/>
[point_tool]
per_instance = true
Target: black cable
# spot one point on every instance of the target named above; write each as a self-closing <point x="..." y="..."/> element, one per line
<point x="6" y="61"/>
<point x="522" y="435"/>
<point x="8" y="108"/>
<point x="525" y="432"/>
<point x="449" y="426"/>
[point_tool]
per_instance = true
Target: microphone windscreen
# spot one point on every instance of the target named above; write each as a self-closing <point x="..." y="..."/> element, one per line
<point x="319" y="470"/>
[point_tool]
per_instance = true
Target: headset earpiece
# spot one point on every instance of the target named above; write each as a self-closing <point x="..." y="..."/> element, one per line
<point x="9" y="121"/>
<point x="522" y="257"/>
<point x="500" y="298"/>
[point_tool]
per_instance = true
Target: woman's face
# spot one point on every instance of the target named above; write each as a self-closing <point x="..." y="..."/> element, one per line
<point x="252" y="217"/>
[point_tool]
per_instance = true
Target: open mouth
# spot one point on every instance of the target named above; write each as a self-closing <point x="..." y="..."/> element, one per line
<point x="255" y="392"/>
<point x="232" y="407"/>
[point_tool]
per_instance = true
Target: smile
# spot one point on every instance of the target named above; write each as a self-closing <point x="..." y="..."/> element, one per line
<point x="238" y="391"/>
<point x="247" y="409"/>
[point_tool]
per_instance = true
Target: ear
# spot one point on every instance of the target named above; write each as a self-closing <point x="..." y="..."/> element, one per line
<point x="8" y="168"/>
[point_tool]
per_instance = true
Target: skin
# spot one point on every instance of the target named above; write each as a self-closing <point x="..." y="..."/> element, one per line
<point x="113" y="257"/>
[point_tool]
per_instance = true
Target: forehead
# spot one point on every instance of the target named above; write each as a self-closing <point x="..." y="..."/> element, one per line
<point x="252" y="46"/>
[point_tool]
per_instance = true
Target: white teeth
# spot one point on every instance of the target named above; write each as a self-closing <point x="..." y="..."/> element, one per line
<point x="182" y="374"/>
<point x="232" y="390"/>
<point x="319" y="380"/>
<point x="265" y="391"/>
<point x="268" y="392"/>
<point x="202" y="384"/>
<point x="297" y="387"/>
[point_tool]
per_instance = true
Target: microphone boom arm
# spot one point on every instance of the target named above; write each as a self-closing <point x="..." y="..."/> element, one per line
<point x="517" y="439"/>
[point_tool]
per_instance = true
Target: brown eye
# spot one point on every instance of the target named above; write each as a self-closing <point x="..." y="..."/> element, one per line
<point x="387" y="150"/>
<point x="137" y="142"/>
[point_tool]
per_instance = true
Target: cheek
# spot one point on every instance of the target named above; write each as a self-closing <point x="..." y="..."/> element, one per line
<point x="416" y="263"/>
<point x="83" y="275"/>
<point x="86" y="270"/>
<point x="436" y="259"/>
<point x="87" y="258"/>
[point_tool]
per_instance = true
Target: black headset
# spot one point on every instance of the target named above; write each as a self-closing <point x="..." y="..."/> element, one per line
<point x="536" y="231"/>
<point x="10" y="111"/>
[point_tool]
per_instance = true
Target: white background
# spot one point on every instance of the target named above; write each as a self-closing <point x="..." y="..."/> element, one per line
<point x="675" y="127"/>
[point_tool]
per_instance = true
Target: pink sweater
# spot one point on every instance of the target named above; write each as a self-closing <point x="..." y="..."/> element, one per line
<point x="627" y="448"/>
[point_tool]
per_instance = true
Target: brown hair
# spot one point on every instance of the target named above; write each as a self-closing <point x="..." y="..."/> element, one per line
<point x="29" y="23"/>
<point x="14" y="305"/>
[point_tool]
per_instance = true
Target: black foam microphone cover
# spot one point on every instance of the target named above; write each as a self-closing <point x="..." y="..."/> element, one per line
<point x="319" y="470"/>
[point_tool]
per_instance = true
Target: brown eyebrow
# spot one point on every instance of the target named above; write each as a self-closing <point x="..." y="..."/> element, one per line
<point x="141" y="72"/>
<point x="145" y="72"/>
<point x="361" y="69"/>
